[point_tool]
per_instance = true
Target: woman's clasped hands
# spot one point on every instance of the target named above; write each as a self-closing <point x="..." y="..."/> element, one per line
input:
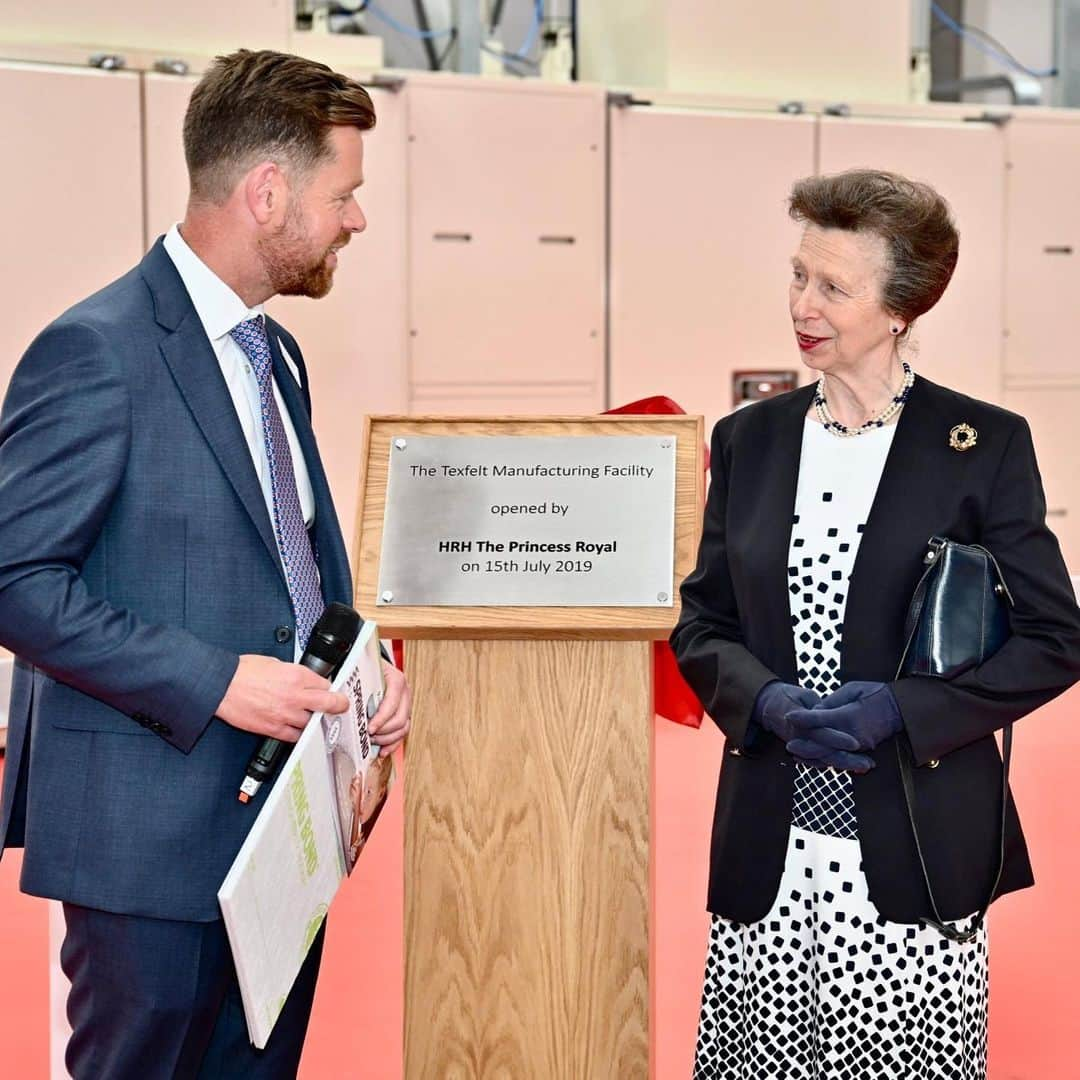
<point x="830" y="731"/>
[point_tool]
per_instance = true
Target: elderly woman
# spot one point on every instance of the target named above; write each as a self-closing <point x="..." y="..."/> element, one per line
<point x="821" y="961"/>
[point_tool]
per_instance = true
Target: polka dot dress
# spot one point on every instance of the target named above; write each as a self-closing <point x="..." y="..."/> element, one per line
<point x="824" y="988"/>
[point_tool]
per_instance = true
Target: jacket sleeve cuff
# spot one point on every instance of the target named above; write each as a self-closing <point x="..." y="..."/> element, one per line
<point x="736" y="703"/>
<point x="921" y="711"/>
<point x="186" y="718"/>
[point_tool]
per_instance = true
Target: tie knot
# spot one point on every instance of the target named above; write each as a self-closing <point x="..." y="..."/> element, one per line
<point x="249" y="329"/>
<point x="250" y="335"/>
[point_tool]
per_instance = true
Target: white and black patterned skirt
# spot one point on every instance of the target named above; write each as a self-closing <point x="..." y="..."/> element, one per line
<point x="824" y="988"/>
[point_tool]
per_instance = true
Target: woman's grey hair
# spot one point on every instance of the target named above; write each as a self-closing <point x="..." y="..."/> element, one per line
<point x="911" y="217"/>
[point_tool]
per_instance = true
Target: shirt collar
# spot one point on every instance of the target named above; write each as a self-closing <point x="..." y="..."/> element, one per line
<point x="218" y="307"/>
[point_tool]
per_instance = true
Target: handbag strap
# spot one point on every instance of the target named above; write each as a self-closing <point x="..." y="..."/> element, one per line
<point x="907" y="780"/>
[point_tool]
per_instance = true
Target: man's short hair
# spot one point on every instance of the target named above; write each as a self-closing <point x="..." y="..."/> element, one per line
<point x="265" y="106"/>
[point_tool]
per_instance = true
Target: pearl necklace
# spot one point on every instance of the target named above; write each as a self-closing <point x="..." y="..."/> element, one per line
<point x="880" y="420"/>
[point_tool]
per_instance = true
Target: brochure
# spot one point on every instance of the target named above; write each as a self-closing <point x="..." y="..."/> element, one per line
<point x="305" y="841"/>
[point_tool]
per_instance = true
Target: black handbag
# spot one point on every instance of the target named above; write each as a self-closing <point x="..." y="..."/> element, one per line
<point x="959" y="617"/>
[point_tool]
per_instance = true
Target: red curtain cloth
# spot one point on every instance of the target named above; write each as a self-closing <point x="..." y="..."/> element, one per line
<point x="674" y="699"/>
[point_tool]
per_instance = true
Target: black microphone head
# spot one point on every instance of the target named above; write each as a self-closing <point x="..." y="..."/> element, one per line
<point x="333" y="635"/>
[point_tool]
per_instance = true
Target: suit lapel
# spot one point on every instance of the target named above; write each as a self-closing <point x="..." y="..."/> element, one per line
<point x="770" y="521"/>
<point x="197" y="374"/>
<point x="196" y="371"/>
<point x="902" y="517"/>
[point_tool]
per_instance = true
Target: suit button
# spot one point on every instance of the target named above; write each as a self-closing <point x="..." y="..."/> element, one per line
<point x="140" y="718"/>
<point x="933" y="763"/>
<point x="283" y="635"/>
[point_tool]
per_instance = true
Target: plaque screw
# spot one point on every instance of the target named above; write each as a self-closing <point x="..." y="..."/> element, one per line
<point x="387" y="597"/>
<point x="400" y="444"/>
<point x="662" y="597"/>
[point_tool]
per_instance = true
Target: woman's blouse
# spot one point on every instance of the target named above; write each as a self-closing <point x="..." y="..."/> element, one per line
<point x="838" y="479"/>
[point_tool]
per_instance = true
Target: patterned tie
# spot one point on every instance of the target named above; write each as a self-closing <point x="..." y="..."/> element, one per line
<point x="294" y="544"/>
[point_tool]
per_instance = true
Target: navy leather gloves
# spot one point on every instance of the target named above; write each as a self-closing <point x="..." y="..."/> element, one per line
<point x="776" y="701"/>
<point x="858" y="716"/>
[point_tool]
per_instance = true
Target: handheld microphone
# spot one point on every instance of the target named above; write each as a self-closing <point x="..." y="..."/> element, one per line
<point x="331" y="639"/>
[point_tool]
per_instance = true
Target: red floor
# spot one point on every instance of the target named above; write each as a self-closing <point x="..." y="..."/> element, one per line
<point x="24" y="977"/>
<point x="356" y="1027"/>
<point x="357" y="1022"/>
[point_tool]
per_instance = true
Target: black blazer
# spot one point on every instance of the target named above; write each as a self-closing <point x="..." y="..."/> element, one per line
<point x="735" y="635"/>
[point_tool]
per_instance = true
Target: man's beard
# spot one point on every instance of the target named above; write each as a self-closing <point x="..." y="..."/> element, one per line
<point x="288" y="263"/>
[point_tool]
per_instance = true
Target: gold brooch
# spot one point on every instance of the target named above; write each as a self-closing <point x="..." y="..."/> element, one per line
<point x="963" y="437"/>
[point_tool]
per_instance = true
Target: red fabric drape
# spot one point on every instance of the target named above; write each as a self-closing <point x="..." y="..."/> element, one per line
<point x="673" y="697"/>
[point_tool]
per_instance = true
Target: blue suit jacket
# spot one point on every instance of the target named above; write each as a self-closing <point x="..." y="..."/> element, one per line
<point x="137" y="560"/>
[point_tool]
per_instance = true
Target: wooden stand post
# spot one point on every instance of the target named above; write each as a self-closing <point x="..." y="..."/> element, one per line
<point x="527" y="804"/>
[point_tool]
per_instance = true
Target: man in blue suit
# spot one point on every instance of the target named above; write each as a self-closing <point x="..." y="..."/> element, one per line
<point x="167" y="540"/>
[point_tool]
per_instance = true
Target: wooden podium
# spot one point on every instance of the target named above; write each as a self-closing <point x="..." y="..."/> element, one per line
<point x="527" y="800"/>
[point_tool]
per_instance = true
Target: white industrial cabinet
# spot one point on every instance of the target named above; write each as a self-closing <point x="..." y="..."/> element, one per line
<point x="70" y="192"/>
<point x="701" y="244"/>
<point x="506" y="240"/>
<point x="1052" y="413"/>
<point x="1043" y="246"/>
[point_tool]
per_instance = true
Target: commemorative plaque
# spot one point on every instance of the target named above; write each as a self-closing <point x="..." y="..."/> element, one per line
<point x="493" y="521"/>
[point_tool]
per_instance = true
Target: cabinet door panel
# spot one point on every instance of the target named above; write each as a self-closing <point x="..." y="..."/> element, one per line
<point x="959" y="342"/>
<point x="165" y="100"/>
<point x="1052" y="413"/>
<point x="71" y="194"/>
<point x="506" y="234"/>
<point x="700" y="243"/>
<point x="1043" y="247"/>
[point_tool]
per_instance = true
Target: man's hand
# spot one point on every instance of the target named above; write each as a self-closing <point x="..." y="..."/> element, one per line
<point x="274" y="699"/>
<point x="390" y="724"/>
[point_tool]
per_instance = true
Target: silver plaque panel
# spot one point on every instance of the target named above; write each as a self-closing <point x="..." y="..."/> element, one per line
<point x="545" y="521"/>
